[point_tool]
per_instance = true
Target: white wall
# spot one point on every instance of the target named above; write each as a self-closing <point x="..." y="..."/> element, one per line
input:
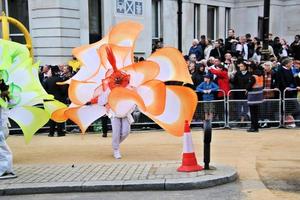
<point x="170" y="29"/>
<point x="55" y="29"/>
<point x="284" y="17"/>
<point x="57" y="26"/>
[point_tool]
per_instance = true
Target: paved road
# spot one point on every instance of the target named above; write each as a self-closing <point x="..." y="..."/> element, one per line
<point x="267" y="162"/>
<point x="231" y="191"/>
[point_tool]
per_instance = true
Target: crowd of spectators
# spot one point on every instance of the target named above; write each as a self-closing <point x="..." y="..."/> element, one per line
<point x="223" y="65"/>
<point x="230" y="64"/>
<point x="50" y="75"/>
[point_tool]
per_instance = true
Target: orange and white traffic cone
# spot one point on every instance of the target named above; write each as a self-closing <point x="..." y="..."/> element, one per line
<point x="189" y="161"/>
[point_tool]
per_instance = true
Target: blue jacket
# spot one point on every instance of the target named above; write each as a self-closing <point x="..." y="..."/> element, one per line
<point x="207" y="86"/>
<point x="197" y="51"/>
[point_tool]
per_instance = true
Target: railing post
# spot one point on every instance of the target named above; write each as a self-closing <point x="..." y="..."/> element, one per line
<point x="207" y="140"/>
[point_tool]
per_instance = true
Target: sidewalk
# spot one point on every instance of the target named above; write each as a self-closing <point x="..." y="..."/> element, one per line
<point x="34" y="179"/>
<point x="267" y="162"/>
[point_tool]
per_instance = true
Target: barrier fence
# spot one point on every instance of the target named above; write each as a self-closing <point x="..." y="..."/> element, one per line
<point x="277" y="110"/>
<point x="218" y="107"/>
<point x="291" y="108"/>
<point x="239" y="114"/>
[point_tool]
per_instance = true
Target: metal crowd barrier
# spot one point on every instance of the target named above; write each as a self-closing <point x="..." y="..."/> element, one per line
<point x="291" y="108"/>
<point x="229" y="112"/>
<point x="219" y="114"/>
<point x="239" y="113"/>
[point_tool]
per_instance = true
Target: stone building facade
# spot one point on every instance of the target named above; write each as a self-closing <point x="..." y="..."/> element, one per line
<point x="57" y="26"/>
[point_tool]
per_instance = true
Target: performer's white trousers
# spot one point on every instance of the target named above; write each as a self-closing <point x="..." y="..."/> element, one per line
<point x="6" y="159"/>
<point x="120" y="131"/>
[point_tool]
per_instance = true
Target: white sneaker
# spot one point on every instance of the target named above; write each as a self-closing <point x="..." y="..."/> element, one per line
<point x="117" y="154"/>
<point x="8" y="175"/>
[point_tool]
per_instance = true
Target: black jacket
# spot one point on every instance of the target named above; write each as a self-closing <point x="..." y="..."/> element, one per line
<point x="58" y="91"/>
<point x="295" y="48"/>
<point x="240" y="81"/>
<point x="286" y="79"/>
<point x="217" y="53"/>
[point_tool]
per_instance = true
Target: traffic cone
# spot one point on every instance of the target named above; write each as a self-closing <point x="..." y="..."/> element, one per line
<point x="189" y="161"/>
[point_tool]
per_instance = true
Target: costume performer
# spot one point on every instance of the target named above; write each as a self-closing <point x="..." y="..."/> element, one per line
<point x="108" y="71"/>
<point x="120" y="123"/>
<point x="18" y="71"/>
<point x="6" y="158"/>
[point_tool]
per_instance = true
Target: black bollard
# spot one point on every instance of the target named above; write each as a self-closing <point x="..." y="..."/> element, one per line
<point x="207" y="141"/>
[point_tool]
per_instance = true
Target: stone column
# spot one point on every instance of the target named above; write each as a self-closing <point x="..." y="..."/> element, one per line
<point x="187" y="26"/>
<point x="55" y="28"/>
<point x="170" y="29"/>
<point x="203" y="18"/>
<point x="221" y="22"/>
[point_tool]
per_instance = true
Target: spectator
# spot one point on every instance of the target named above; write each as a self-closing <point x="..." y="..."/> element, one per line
<point x="244" y="50"/>
<point x="221" y="77"/>
<point x="67" y="72"/>
<point x="296" y="73"/>
<point x="240" y="82"/>
<point x="217" y="51"/>
<point x="196" y="77"/>
<point x="221" y="42"/>
<point x="257" y="50"/>
<point x="295" y="48"/>
<point x="255" y="97"/>
<point x="58" y="92"/>
<point x="285" y="52"/>
<point x="207" y="87"/>
<point x="229" y="41"/>
<point x="208" y="49"/>
<point x="250" y="44"/>
<point x="230" y="65"/>
<point x="203" y="42"/>
<point x="269" y="83"/>
<point x="193" y="58"/>
<point x="277" y="47"/>
<point x="286" y="81"/>
<point x="285" y="77"/>
<point x="44" y="74"/>
<point x="157" y="45"/>
<point x="196" y="49"/>
<point x="271" y="42"/>
<point x="61" y="70"/>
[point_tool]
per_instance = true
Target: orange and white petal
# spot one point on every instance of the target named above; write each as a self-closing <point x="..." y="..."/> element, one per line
<point x="98" y="76"/>
<point x="88" y="55"/>
<point x="122" y="100"/>
<point x="81" y="92"/>
<point x="59" y="115"/>
<point x="125" y="33"/>
<point x="153" y="94"/>
<point x="141" y="72"/>
<point x="84" y="116"/>
<point x="123" y="55"/>
<point x="172" y="65"/>
<point x="180" y="105"/>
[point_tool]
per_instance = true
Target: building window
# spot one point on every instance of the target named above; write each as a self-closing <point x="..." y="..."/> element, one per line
<point x="211" y="22"/>
<point x="156" y="19"/>
<point x="17" y="9"/>
<point x="157" y="38"/>
<point x="227" y="21"/>
<point x="95" y="25"/>
<point x="197" y="21"/>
